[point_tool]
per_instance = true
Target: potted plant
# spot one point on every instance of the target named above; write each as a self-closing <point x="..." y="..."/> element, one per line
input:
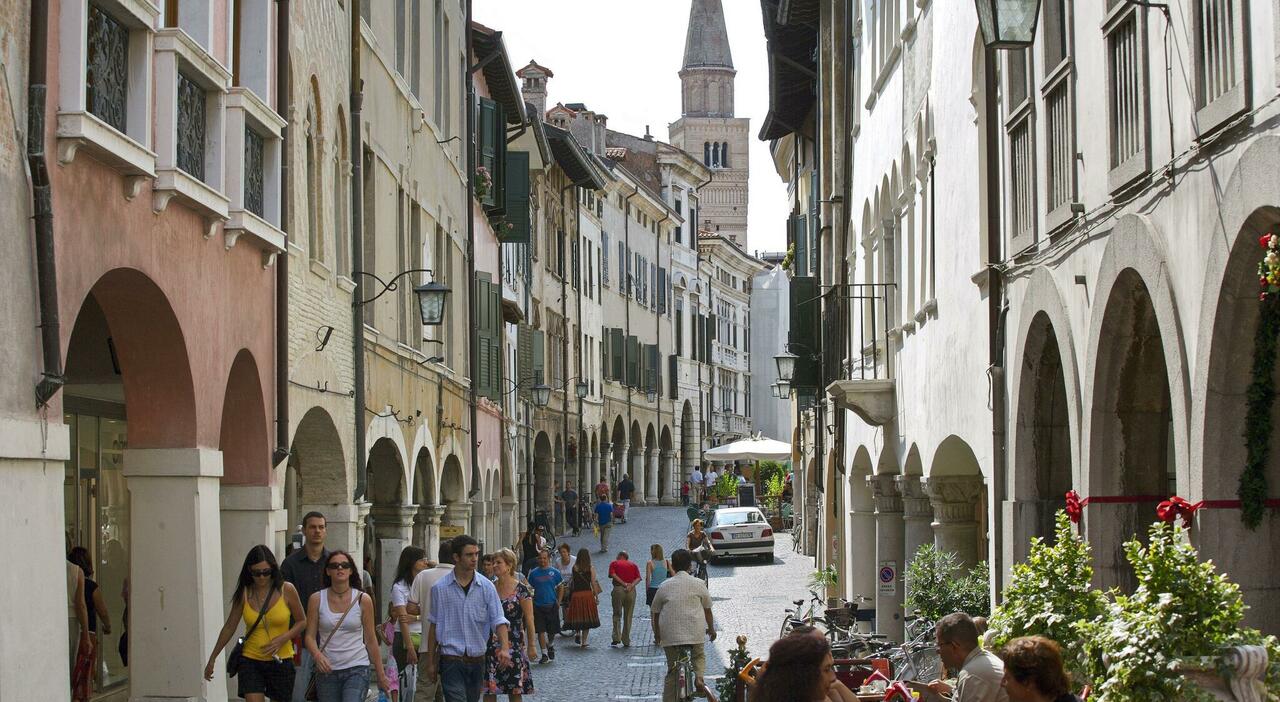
<point x="937" y="586"/>
<point x="726" y="489"/>
<point x="773" y="488"/>
<point x="825" y="581"/>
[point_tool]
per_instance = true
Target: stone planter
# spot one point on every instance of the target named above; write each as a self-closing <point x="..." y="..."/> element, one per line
<point x="1247" y="666"/>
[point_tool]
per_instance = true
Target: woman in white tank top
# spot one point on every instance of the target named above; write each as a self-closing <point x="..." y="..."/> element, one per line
<point x="340" y="634"/>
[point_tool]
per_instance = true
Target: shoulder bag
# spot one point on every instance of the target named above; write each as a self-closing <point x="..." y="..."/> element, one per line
<point x="311" y="684"/>
<point x="236" y="657"/>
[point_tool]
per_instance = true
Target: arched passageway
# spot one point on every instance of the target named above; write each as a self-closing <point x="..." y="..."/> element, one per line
<point x="1042" y="455"/>
<point x="668" y="485"/>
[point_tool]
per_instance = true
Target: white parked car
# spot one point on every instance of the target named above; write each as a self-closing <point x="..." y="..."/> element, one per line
<point x="740" y="531"/>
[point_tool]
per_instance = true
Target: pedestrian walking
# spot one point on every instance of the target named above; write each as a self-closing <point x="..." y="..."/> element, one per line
<point x="95" y="603"/>
<point x="583" y="614"/>
<point x="679" y="611"/>
<point x="1033" y="671"/>
<point x="515" y="679"/>
<point x="602" y="489"/>
<point x="80" y="644"/>
<point x="684" y="493"/>
<point x="571" y="509"/>
<point x="407" y="628"/>
<point x="656" y="572"/>
<point x="625" y="576"/>
<point x="529" y="544"/>
<point x="711" y="477"/>
<point x="800" y="669"/>
<point x="304" y="569"/>
<point x="564" y="563"/>
<point x="340" y="634"/>
<point x="546" y="582"/>
<point x="626" y="489"/>
<point x="696" y="483"/>
<point x="273" y="613"/>
<point x="427" y="686"/>
<point x="604" y="522"/>
<point x="465" y="611"/>
<point x="981" y="671"/>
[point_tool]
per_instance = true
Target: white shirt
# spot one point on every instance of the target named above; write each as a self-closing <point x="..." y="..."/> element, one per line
<point x="420" y="592"/>
<point x="695" y="477"/>
<point x="711" y="477"/>
<point x="399" y="598"/>
<point x="566" y="570"/>
<point x="979" y="678"/>
<point x="679" y="603"/>
<point x="741" y="480"/>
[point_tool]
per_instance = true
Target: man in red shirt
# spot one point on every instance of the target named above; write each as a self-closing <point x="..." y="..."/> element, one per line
<point x="602" y="489"/>
<point x="625" y="575"/>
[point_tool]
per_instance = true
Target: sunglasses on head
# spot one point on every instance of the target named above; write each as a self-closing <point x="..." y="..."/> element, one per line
<point x="339" y="566"/>
<point x="260" y="573"/>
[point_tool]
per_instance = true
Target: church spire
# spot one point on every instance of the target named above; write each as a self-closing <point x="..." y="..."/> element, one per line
<point x="707" y="43"/>
<point x="707" y="75"/>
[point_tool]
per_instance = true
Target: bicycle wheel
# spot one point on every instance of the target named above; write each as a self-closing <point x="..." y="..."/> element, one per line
<point x="551" y="540"/>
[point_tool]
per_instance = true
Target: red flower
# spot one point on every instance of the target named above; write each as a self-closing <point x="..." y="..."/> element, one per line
<point x="1264" y="240"/>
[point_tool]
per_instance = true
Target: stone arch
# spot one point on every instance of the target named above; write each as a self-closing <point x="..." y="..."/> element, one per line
<point x="957" y="493"/>
<point x="387" y="485"/>
<point x="453" y="493"/>
<point x="668" y="485"/>
<point x="621" y="451"/>
<point x="861" y="578"/>
<point x="690" y="447"/>
<point x="244" y="438"/>
<point x="1136" y="425"/>
<point x="451" y="446"/>
<point x="424" y="454"/>
<point x="316" y="472"/>
<point x="543" y="470"/>
<point x="1228" y="314"/>
<point x="651" y="487"/>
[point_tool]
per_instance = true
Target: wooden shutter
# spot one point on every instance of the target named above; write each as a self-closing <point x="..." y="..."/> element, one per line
<point x="815" y="237"/>
<point x="524" y="359"/>
<point x="633" y="361"/>
<point x="801" y="231"/>
<point x="711" y="323"/>
<point x="617" y="354"/>
<point x="496" y="336"/>
<point x="805" y="310"/>
<point x="517" y="201"/>
<point x="483" y="372"/>
<point x="487" y="147"/>
<point x="673" y="366"/>
<point x="539" y="357"/>
<point x="655" y="367"/>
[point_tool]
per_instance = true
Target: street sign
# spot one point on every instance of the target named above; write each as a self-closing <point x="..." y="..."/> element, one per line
<point x="448" y="531"/>
<point x="888" y="578"/>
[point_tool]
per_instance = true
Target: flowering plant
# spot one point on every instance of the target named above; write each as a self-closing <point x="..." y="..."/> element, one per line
<point x="483" y="182"/>
<point x="1269" y="266"/>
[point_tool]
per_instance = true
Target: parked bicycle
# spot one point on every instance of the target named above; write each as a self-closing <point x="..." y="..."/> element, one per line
<point x="542" y="519"/>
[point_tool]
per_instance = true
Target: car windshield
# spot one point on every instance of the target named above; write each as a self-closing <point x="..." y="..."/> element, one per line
<point x="731" y="518"/>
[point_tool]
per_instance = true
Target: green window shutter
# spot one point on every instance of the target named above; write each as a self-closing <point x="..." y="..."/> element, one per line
<point x="518" y="226"/>
<point x="496" y="335"/>
<point x="804" y="330"/>
<point x="482" y="371"/>
<point x="524" y="358"/>
<point x="710" y="337"/>
<point x="655" y="366"/>
<point x="617" y="352"/>
<point x="673" y="365"/>
<point x="801" y="263"/>
<point x="539" y="356"/>
<point x="633" y="362"/>
<point x="491" y="147"/>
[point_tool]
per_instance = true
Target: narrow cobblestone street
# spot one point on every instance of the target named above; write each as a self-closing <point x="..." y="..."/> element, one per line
<point x="748" y="598"/>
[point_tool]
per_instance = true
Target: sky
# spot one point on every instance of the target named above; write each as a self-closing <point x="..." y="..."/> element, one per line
<point x="621" y="58"/>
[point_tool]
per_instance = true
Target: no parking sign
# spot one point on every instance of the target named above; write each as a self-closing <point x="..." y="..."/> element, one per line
<point x="888" y="578"/>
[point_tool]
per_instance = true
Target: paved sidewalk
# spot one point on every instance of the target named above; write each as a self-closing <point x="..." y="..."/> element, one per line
<point x="748" y="598"/>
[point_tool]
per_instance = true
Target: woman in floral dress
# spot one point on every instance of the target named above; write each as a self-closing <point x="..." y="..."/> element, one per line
<point x="517" y="605"/>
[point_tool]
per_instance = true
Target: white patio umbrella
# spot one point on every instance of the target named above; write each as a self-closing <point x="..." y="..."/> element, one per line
<point x="756" y="448"/>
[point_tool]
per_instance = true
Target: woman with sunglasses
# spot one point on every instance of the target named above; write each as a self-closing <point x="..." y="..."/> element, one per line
<point x="266" y="669"/>
<point x="340" y="634"/>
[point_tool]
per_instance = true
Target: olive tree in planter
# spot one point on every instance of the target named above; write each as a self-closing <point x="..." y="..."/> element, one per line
<point x="726" y="489"/>
<point x="936" y="586"/>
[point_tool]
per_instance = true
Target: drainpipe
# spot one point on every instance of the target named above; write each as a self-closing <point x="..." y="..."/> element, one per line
<point x="577" y="238"/>
<point x="626" y="265"/>
<point x="564" y="319"/>
<point x="657" y="342"/>
<point x="357" y="248"/>
<point x="995" y="319"/>
<point x="473" y="349"/>
<point x="283" y="105"/>
<point x="52" y="379"/>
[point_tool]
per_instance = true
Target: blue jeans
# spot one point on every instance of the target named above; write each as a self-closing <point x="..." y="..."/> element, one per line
<point x="346" y="685"/>
<point x="306" y="666"/>
<point x="462" y="682"/>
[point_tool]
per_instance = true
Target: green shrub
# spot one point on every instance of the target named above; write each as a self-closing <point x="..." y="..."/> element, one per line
<point x="726" y="486"/>
<point x="937" y="587"/>
<point x="1051" y="595"/>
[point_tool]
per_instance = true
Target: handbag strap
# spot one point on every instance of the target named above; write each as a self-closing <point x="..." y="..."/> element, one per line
<point x="262" y="612"/>
<point x="343" y="618"/>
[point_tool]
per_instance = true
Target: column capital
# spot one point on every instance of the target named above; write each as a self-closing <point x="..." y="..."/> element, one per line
<point x="884" y="492"/>
<point x="430" y="514"/>
<point x="394" y="515"/>
<point x="954" y="497"/>
<point x="915" y="503"/>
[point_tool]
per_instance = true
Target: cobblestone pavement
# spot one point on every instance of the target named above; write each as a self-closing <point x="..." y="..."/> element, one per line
<point x="747" y="598"/>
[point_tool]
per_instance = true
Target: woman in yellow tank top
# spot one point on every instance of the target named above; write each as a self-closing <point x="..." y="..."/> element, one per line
<point x="266" y="672"/>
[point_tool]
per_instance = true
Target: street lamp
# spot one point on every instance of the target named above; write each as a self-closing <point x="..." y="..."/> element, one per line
<point x="651" y="395"/>
<point x="784" y="389"/>
<point x="541" y="395"/>
<point x="786" y="365"/>
<point x="431" y="296"/>
<point x="581" y="388"/>
<point x="1008" y="24"/>
<point x="777" y="391"/>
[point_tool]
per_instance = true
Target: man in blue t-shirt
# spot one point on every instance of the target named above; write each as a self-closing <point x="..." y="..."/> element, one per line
<point x="546" y="582"/>
<point x="604" y="520"/>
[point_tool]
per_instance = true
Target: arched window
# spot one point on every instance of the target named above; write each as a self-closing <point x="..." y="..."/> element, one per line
<point x="341" y="186"/>
<point x="315" y="244"/>
<point x="724" y="154"/>
<point x="706" y="153"/>
<point x="715" y="155"/>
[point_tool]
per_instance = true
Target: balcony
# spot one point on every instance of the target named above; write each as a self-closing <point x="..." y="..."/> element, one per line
<point x="729" y="423"/>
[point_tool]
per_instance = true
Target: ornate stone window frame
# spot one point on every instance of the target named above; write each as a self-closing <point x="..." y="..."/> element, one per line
<point x="127" y="152"/>
<point x="177" y="53"/>
<point x="245" y="111"/>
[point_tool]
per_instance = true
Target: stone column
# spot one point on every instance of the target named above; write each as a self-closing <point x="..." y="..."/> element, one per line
<point x="652" y="488"/>
<point x="889" y="549"/>
<point x="671" y="496"/>
<point x="506" y="520"/>
<point x="637" y="475"/>
<point x="602" y="469"/>
<point x="955" y="526"/>
<point x="251" y="515"/>
<point x="584" y="485"/>
<point x="426" y="528"/>
<point x="917" y="515"/>
<point x="392" y="530"/>
<point x="861" y="578"/>
<point x="458" y="515"/>
<point x="477" y="526"/>
<point x="177" y="602"/>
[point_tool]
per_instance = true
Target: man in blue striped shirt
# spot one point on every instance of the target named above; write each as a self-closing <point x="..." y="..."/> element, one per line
<point x="464" y="611"/>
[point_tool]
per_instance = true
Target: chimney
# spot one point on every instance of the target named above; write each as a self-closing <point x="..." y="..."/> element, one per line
<point x="601" y="122"/>
<point x="534" y="86"/>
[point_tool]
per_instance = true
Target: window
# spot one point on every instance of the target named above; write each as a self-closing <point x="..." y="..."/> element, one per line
<point x="604" y="259"/>
<point x="1125" y="33"/>
<point x="315" y="243"/>
<point x="401" y="40"/>
<point x="1059" y="110"/>
<point x="492" y="149"/>
<point x="402" y="264"/>
<point x="369" y="260"/>
<point x="706" y="153"/>
<point x="254" y="171"/>
<point x="724" y="154"/>
<point x="107" y="77"/>
<point x="341" y="188"/>
<point x="1221" y="37"/>
<point x="441" y="63"/>
<point x="1022" y="151"/>
<point x="192" y="123"/>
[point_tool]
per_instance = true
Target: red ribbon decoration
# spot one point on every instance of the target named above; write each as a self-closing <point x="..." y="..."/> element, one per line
<point x="1174" y="507"/>
<point x="1075" y="506"/>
